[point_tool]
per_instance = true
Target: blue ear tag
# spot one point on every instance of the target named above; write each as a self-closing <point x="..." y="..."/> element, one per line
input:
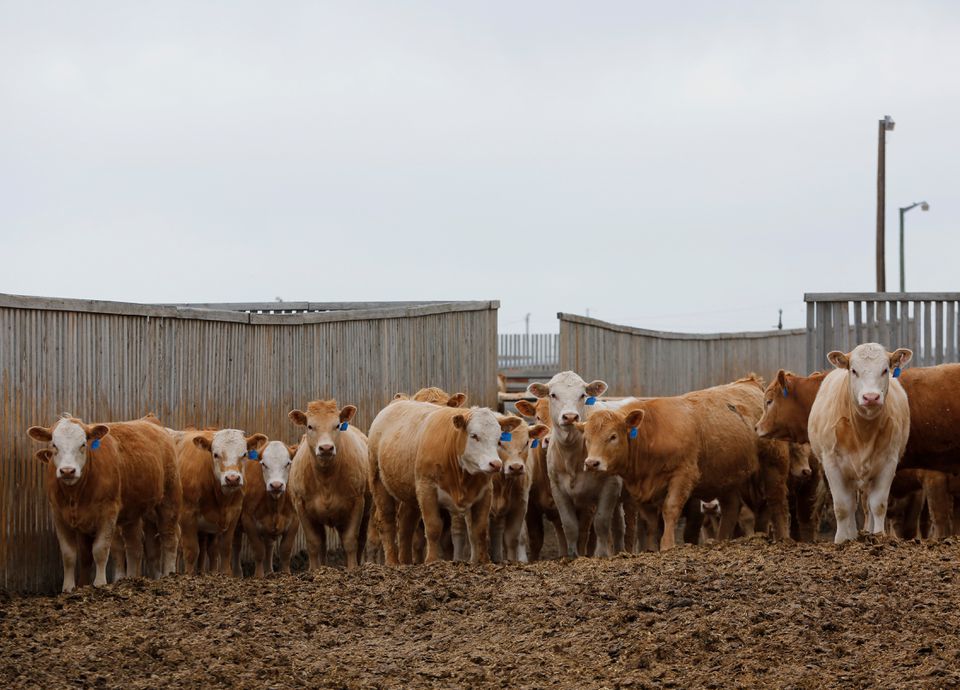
<point x="784" y="391"/>
<point x="591" y="400"/>
<point x="253" y="455"/>
<point x="896" y="372"/>
<point x="633" y="432"/>
<point x="536" y="442"/>
<point x="343" y="427"/>
<point x="506" y="436"/>
<point x="95" y="444"/>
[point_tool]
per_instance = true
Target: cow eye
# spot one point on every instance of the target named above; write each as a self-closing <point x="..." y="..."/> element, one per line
<point x="474" y="437"/>
<point x="553" y="395"/>
<point x="613" y="437"/>
<point x="583" y="395"/>
<point x="216" y="455"/>
<point x="854" y="371"/>
<point x="885" y="371"/>
<point x="310" y="427"/>
<point x="768" y="403"/>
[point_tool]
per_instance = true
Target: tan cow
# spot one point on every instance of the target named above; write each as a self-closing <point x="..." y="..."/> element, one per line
<point x="858" y="427"/>
<point x="101" y="477"/>
<point x="211" y="471"/>
<point x="268" y="513"/>
<point x="329" y="482"/>
<point x="435" y="458"/>
<point x="700" y="445"/>
<point x="540" y="504"/>
<point x="511" y="491"/>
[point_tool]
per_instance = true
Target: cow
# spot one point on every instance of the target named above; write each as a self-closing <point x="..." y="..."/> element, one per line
<point x="437" y="396"/>
<point x="511" y="490"/>
<point x="540" y="504"/>
<point x="668" y="450"/>
<point x="329" y="483"/>
<point x="268" y="513"/>
<point x="858" y="428"/>
<point x="101" y="477"/>
<point x="584" y="497"/>
<point x="435" y="458"/>
<point x="211" y="471"/>
<point x="711" y="520"/>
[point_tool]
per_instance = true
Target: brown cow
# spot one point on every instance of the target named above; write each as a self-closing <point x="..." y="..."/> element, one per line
<point x="103" y="476"/>
<point x="211" y="471"/>
<point x="511" y="490"/>
<point x="435" y="458"/>
<point x="329" y="481"/>
<point x="700" y="445"/>
<point x="268" y="513"/>
<point x="541" y="504"/>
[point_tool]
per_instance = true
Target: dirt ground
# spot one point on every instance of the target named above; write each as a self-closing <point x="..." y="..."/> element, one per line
<point x="745" y="614"/>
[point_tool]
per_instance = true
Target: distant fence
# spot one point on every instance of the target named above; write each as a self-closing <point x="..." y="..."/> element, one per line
<point x="636" y="361"/>
<point x="528" y="351"/>
<point x="926" y="322"/>
<point x="235" y="365"/>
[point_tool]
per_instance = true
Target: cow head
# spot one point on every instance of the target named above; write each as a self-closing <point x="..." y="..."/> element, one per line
<point x="539" y="411"/>
<point x="779" y="408"/>
<point x="325" y="422"/>
<point x="710" y="508"/>
<point x="438" y="396"/>
<point x="275" y="461"/>
<point x="870" y="367"/>
<point x="567" y="394"/>
<point x="72" y="445"/>
<point x="800" y="460"/>
<point x="479" y="439"/>
<point x="515" y="452"/>
<point x="229" y="448"/>
<point x="607" y="436"/>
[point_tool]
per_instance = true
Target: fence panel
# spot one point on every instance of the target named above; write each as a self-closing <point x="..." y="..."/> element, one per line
<point x="533" y="351"/>
<point x="240" y="367"/>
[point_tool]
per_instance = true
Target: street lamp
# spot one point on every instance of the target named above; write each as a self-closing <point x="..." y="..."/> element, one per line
<point x="886" y="125"/>
<point x="924" y="206"/>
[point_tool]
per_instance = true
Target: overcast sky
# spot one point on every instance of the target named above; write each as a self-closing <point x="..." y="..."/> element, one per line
<point x="684" y="166"/>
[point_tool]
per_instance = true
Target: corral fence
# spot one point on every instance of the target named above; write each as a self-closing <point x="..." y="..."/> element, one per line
<point x="226" y="365"/>
<point x="529" y="351"/>
<point x="637" y="361"/>
<point x="925" y="322"/>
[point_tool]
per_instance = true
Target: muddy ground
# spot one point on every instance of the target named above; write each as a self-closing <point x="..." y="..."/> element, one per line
<point x="748" y="614"/>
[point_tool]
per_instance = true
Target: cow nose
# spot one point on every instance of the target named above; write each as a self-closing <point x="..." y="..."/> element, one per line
<point x="570" y="417"/>
<point x="516" y="468"/>
<point x="325" y="449"/>
<point x="495" y="465"/>
<point x="233" y="479"/>
<point x="870" y="398"/>
<point x="806" y="472"/>
<point x="592" y="464"/>
<point x="68" y="471"/>
<point x="276" y="486"/>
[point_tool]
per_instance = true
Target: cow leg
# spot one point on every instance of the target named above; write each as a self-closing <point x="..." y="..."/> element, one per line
<point x="85" y="557"/>
<point x="568" y="516"/>
<point x="152" y="554"/>
<point x="257" y="545"/>
<point x="268" y="544"/>
<point x="630" y="515"/>
<point x="459" y="537"/>
<point x="168" y="534"/>
<point x="478" y="523"/>
<point x="678" y="493"/>
<point x="939" y="503"/>
<point x="372" y="551"/>
<point x="117" y="553"/>
<point x="101" y="550"/>
<point x="133" y="546"/>
<point x="386" y="507"/>
<point x="879" y="494"/>
<point x="237" y="548"/>
<point x="497" y="527"/>
<point x="316" y="538"/>
<point x="693" y="520"/>
<point x="608" y="513"/>
<point x="560" y="534"/>
<point x="286" y="546"/>
<point x="67" y="539"/>
<point x="844" y="502"/>
<point x="350" y="535"/>
<point x="432" y="520"/>
<point x="534" y="520"/>
<point x="512" y="526"/>
<point x="729" y="514"/>
<point x="408" y="515"/>
<point x="190" y="545"/>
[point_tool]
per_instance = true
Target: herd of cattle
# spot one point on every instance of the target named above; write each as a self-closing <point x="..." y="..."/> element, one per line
<point x="433" y="479"/>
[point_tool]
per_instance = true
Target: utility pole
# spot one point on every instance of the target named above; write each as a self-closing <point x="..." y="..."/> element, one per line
<point x="526" y="321"/>
<point x="886" y="125"/>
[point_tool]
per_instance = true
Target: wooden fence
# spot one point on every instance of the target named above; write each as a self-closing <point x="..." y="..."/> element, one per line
<point x="529" y="351"/>
<point x="636" y="361"/>
<point x="223" y="365"/>
<point x="925" y="322"/>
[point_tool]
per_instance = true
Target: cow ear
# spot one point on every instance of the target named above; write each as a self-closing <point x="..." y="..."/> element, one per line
<point x="595" y="388"/>
<point x="44" y="454"/>
<point x="293" y="450"/>
<point x="509" y="423"/>
<point x="400" y="396"/>
<point x="460" y="421"/>
<point x="97" y="431"/>
<point x="297" y="417"/>
<point x="782" y="378"/>
<point x="538" y="431"/>
<point x="839" y="360"/>
<point x="40" y="433"/>
<point x="538" y="390"/>
<point x="634" y="418"/>
<point x="256" y="442"/>
<point x="526" y="408"/>
<point x="347" y="413"/>
<point x="900" y="357"/>
<point x="457" y="400"/>
<point x="202" y="442"/>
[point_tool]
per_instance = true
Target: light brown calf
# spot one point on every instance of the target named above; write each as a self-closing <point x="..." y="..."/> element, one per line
<point x="103" y="476"/>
